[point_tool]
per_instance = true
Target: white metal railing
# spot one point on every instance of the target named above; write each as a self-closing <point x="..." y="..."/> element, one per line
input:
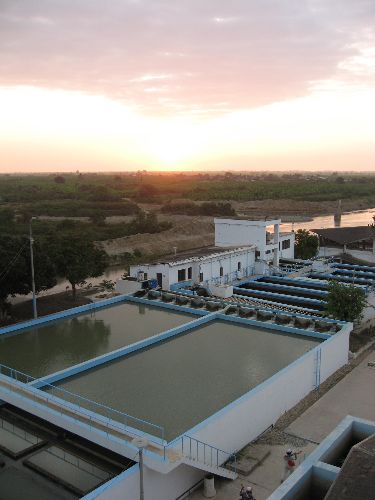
<point x="206" y="454"/>
<point x="101" y="417"/>
<point x="96" y="413"/>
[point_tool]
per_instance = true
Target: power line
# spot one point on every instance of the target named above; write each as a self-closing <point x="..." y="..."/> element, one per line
<point x="11" y="263"/>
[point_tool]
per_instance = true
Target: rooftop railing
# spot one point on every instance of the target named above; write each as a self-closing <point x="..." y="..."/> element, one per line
<point x="71" y="402"/>
<point x="109" y="420"/>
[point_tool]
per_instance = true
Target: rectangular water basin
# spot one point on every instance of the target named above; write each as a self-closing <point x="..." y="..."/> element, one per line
<point x="45" y="349"/>
<point x="182" y="381"/>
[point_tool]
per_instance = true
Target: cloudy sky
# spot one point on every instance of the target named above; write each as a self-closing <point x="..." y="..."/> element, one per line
<point x="187" y="84"/>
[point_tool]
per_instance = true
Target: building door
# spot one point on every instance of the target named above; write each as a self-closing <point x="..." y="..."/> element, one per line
<point x="159" y="277"/>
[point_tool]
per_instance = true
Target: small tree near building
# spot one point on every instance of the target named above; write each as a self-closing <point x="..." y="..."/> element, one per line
<point x="77" y="259"/>
<point x="15" y="276"/>
<point x="345" y="302"/>
<point x="306" y="244"/>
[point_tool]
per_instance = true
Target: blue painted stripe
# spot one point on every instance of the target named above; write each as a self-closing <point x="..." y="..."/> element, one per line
<point x="168" y="305"/>
<point x="122" y="351"/>
<point x="76" y="408"/>
<point x="284" y="313"/>
<point x="274" y="326"/>
<point x="284" y="288"/>
<point x="259" y="387"/>
<point x="252" y="392"/>
<point x="279" y="296"/>
<point x="64" y="314"/>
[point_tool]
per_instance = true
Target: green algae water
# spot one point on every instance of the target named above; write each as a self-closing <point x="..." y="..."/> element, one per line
<point x="184" y="380"/>
<point x="46" y="349"/>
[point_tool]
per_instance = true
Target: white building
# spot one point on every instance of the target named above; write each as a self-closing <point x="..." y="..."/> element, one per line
<point x="203" y="265"/>
<point x="242" y="248"/>
<point x="270" y="243"/>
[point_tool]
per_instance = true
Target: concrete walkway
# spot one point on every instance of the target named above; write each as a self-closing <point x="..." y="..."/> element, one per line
<point x="353" y="395"/>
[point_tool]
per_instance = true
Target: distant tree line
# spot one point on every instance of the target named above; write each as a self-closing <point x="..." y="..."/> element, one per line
<point x="205" y="208"/>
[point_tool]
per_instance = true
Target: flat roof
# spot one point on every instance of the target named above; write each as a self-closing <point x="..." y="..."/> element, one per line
<point x="345" y="235"/>
<point x="199" y="253"/>
<point x="249" y="222"/>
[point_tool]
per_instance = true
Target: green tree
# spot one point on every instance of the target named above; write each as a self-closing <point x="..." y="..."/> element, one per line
<point x="77" y="259"/>
<point x="345" y="302"/>
<point x="15" y="271"/>
<point x="147" y="192"/>
<point x="306" y="244"/>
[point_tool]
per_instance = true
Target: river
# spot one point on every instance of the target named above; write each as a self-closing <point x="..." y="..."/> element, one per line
<point x="356" y="218"/>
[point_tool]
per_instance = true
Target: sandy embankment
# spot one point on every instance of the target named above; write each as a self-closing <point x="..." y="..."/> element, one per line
<point x="194" y="232"/>
<point x="186" y="233"/>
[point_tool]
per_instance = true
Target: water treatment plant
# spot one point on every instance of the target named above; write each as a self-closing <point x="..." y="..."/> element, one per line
<point x="191" y="376"/>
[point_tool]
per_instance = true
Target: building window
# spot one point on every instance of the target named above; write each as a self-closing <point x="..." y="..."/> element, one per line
<point x="200" y="276"/>
<point x="181" y="274"/>
<point x="285" y="244"/>
<point x="221" y="271"/>
<point x="239" y="266"/>
<point x="190" y="273"/>
<point x="145" y="276"/>
<point x="268" y="251"/>
<point x="257" y="254"/>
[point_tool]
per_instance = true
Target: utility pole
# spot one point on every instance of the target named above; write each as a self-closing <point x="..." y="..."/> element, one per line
<point x="140" y="443"/>
<point x="32" y="268"/>
<point x="141" y="491"/>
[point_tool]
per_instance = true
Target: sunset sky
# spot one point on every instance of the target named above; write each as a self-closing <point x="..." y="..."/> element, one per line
<point x="187" y="85"/>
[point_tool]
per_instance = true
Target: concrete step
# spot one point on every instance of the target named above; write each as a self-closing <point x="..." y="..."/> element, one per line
<point x="218" y="471"/>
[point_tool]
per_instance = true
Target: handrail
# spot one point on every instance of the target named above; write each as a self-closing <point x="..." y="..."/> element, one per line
<point x="194" y="449"/>
<point x="187" y="492"/>
<point x="80" y="402"/>
<point x="21" y="433"/>
<point x="94" y="470"/>
<point x="190" y="447"/>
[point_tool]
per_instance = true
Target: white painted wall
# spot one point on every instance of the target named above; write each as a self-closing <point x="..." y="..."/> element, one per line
<point x="156" y="486"/>
<point x="173" y="271"/>
<point x="335" y="353"/>
<point x="151" y="270"/>
<point x="288" y="253"/>
<point x="209" y="266"/>
<point x="239" y="232"/>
